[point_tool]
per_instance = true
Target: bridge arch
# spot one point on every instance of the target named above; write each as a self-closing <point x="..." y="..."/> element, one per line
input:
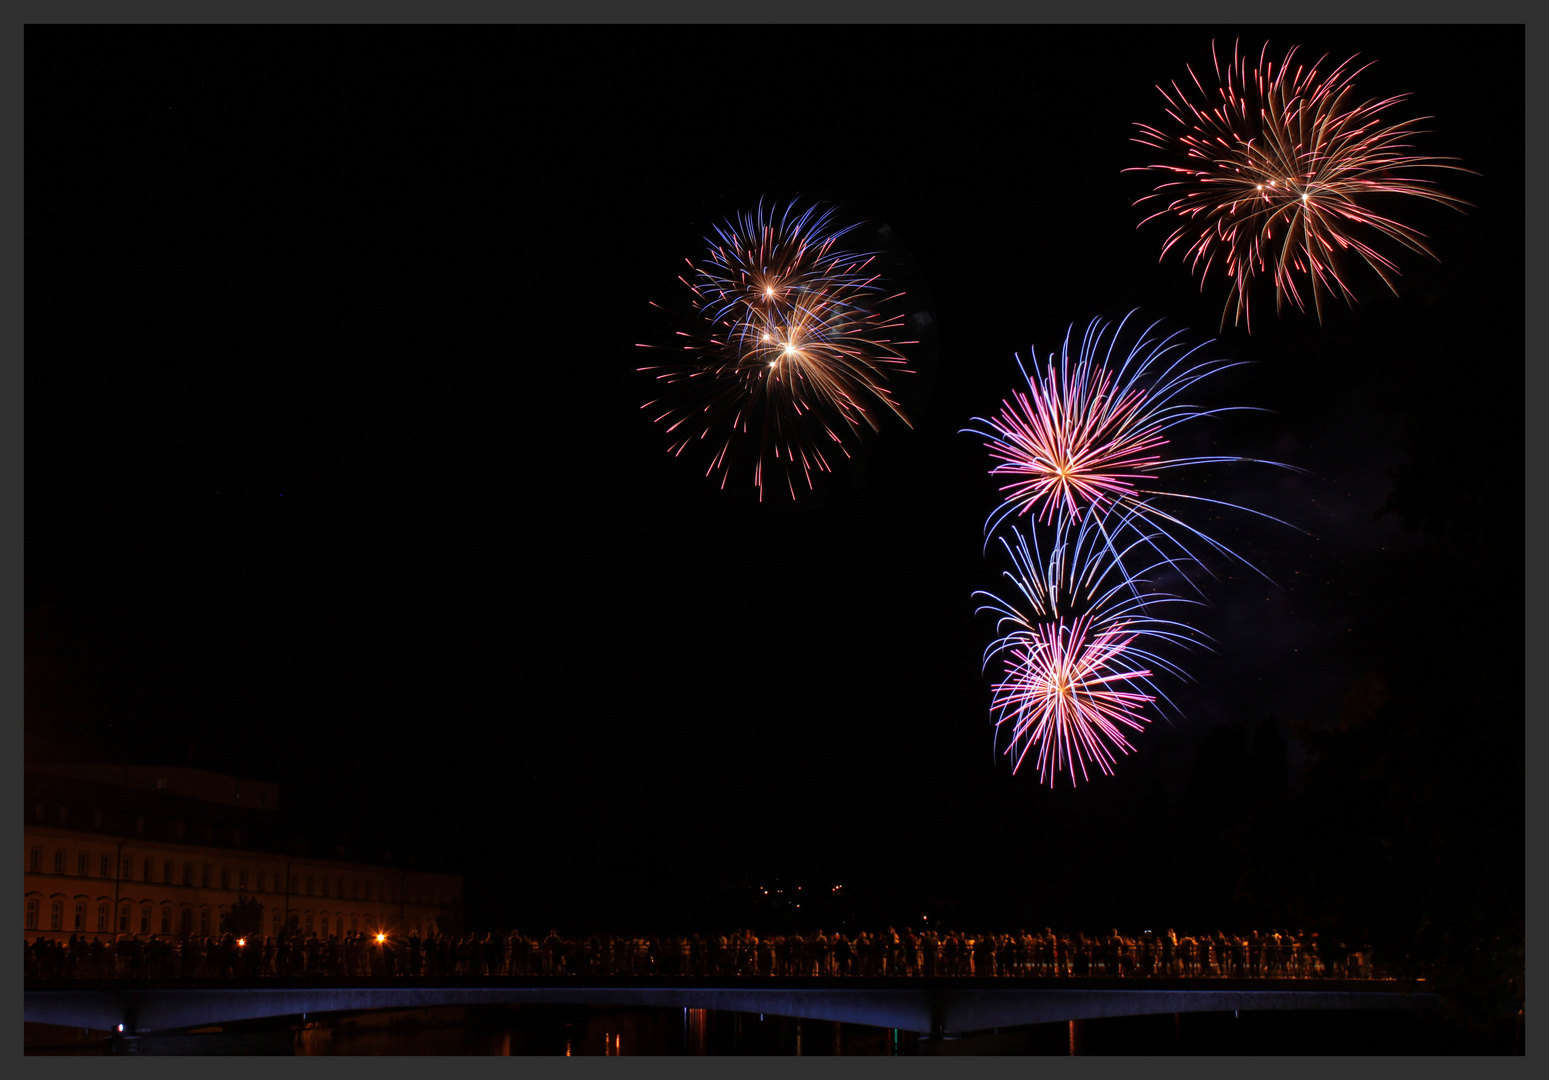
<point x="924" y="1008"/>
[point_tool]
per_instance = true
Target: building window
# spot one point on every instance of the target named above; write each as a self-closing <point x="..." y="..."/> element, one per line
<point x="311" y="888"/>
<point x="161" y="783"/>
<point x="56" y="914"/>
<point x="80" y="917"/>
<point x="166" y="920"/>
<point x="102" y="918"/>
<point x="325" y="926"/>
<point x="309" y="921"/>
<point x="96" y="819"/>
<point x="145" y="920"/>
<point x="105" y="866"/>
<point x="204" y="922"/>
<point x="126" y="871"/>
<point x="123" y="919"/>
<point x="35" y="860"/>
<point x="59" y="862"/>
<point x="241" y="879"/>
<point x="188" y="873"/>
<point x="225" y="877"/>
<point x="80" y="863"/>
<point x="204" y="875"/>
<point x="150" y="869"/>
<point x="166" y="872"/>
<point x="260" y="882"/>
<point x="32" y="914"/>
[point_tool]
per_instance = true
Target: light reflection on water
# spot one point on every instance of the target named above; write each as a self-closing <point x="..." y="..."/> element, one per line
<point x="574" y="1031"/>
<point x="581" y="1031"/>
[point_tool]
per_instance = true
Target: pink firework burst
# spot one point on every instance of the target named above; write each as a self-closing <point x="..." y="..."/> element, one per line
<point x="1272" y="172"/>
<point x="1089" y="436"/>
<point x="1080" y="640"/>
<point x="1074" y="441"/>
<point x="1065" y="694"/>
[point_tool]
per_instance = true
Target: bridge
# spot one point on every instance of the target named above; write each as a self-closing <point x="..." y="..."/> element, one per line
<point x="928" y="1006"/>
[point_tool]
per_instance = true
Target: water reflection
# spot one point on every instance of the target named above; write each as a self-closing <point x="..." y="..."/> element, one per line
<point x="582" y="1031"/>
<point x="579" y="1031"/>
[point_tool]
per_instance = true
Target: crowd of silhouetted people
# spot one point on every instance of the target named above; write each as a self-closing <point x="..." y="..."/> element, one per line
<point x="887" y="953"/>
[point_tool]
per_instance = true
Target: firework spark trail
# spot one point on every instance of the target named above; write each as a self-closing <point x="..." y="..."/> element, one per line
<point x="1089" y="438"/>
<point x="1061" y="696"/>
<point x="792" y="349"/>
<point x="1275" y="176"/>
<point x="1079" y="646"/>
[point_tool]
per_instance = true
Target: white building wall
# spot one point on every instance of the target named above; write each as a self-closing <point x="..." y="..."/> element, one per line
<point x="64" y="877"/>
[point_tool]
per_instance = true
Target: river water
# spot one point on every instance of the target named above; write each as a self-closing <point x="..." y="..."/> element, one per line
<point x="572" y="1030"/>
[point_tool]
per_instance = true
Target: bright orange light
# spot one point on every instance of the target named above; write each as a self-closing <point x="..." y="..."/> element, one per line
<point x="241" y="941"/>
<point x="381" y="938"/>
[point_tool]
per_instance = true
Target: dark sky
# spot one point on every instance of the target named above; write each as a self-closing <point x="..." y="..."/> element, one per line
<point x="336" y="473"/>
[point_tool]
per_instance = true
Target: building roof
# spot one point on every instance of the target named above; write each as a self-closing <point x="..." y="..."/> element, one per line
<point x="178" y="805"/>
<point x="176" y="780"/>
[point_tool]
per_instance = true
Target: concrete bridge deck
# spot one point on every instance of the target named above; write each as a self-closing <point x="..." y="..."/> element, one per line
<point x="927" y="1006"/>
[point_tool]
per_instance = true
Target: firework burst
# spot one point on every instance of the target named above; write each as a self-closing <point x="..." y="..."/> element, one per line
<point x="1079" y="646"/>
<point x="1272" y="172"/>
<point x="1088" y="440"/>
<point x="791" y="350"/>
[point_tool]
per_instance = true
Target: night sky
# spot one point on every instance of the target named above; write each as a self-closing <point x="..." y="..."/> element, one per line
<point x="336" y="472"/>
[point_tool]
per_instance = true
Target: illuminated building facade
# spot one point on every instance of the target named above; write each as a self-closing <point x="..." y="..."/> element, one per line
<point x="148" y="850"/>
